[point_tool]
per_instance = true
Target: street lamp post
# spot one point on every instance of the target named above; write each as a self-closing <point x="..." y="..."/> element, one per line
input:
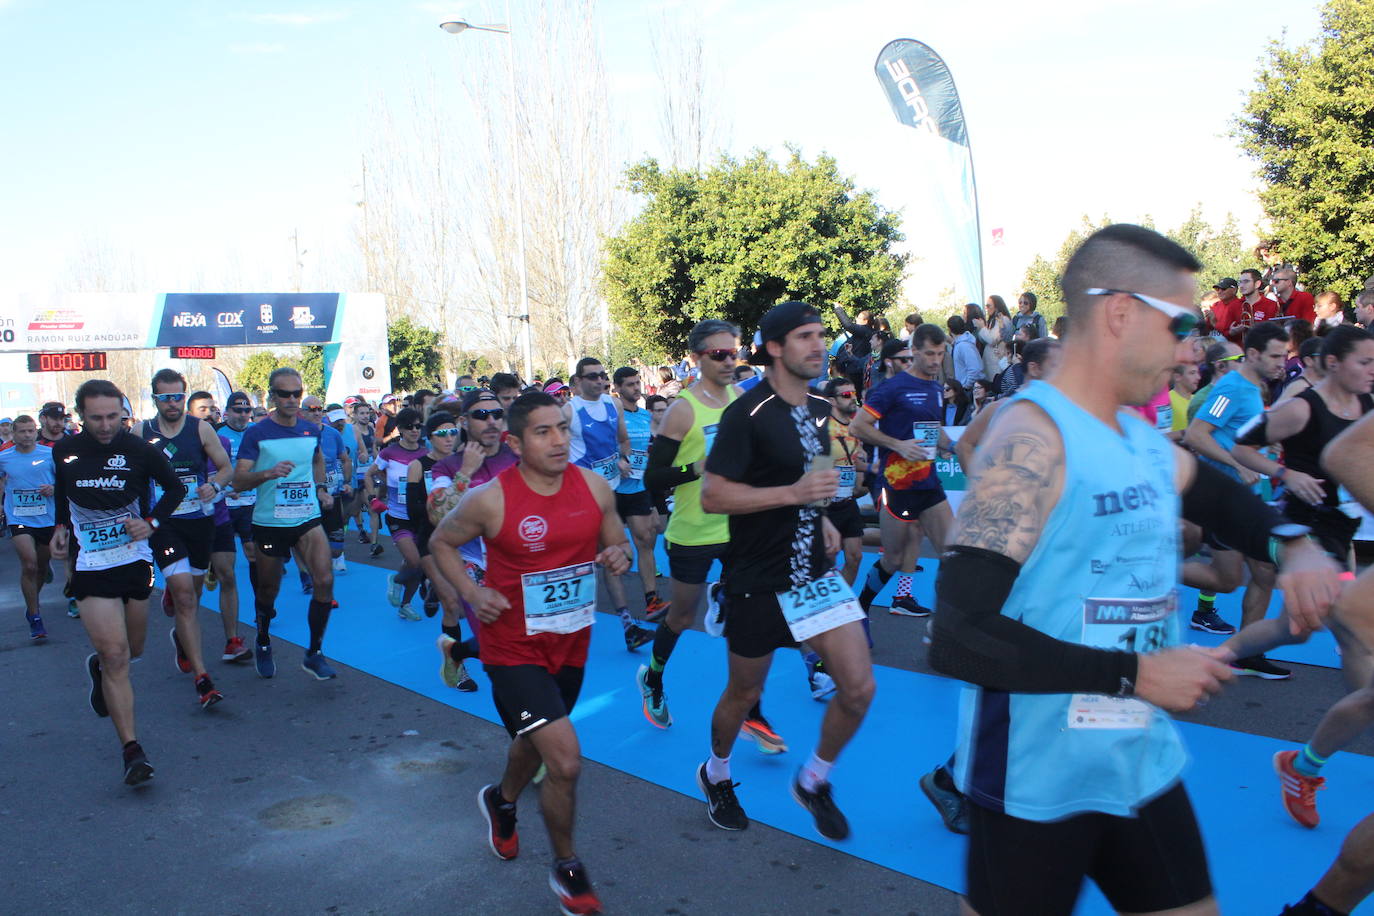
<point x="457" y="27"/>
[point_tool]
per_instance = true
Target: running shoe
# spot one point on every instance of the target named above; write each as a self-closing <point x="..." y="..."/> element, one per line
<point x="167" y="607"/>
<point x="715" y="610"/>
<point x="236" y="651"/>
<point x="315" y="663"/>
<point x="768" y="741"/>
<point x="722" y="807"/>
<point x="431" y="606"/>
<point x="1261" y="667"/>
<point x="502" y="836"/>
<point x="363" y="538"/>
<point x="73" y="609"/>
<point x="540" y="773"/>
<point x="307" y="585"/>
<point x="636" y="637"/>
<point x="465" y="682"/>
<point x="406" y="612"/>
<point x="183" y="663"/>
<point x="394" y="591"/>
<point x="1211" y="622"/>
<point x="574" y="890"/>
<point x="36" y="629"/>
<point x="137" y="769"/>
<point x="97" y="688"/>
<point x="655" y="705"/>
<point x="830" y="820"/>
<point x="822" y="684"/>
<point x="906" y="606"/>
<point x="209" y="696"/>
<point x="656" y="610"/>
<point x="341" y="565"/>
<point x="448" y="671"/>
<point x="939" y="787"/>
<point x="1299" y="789"/>
<point x="262" y="660"/>
<point x="376" y="551"/>
<point x="211" y="583"/>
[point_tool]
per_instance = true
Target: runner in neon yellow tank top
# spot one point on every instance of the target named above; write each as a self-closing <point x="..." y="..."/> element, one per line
<point x="695" y="539"/>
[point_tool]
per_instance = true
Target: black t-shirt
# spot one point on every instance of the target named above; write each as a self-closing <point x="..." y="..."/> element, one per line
<point x="763" y="441"/>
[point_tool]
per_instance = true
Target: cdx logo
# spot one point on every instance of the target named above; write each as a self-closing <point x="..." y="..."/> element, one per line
<point x="229" y="319"/>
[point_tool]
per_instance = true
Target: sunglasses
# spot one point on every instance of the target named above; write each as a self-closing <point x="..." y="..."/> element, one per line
<point x="172" y="397"/>
<point x="1235" y="356"/>
<point x="904" y="360"/>
<point x="720" y="355"/>
<point x="1182" y="321"/>
<point x="596" y="376"/>
<point x="313" y="409"/>
<point x="469" y="388"/>
<point x="482" y="413"/>
<point x="845" y="395"/>
<point x="281" y="395"/>
<point x="414" y="426"/>
<point x="445" y="433"/>
<point x="240" y="410"/>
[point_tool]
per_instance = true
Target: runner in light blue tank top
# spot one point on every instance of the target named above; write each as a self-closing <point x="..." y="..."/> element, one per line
<point x="594" y="423"/>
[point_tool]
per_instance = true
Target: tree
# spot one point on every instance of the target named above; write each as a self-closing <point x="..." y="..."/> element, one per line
<point x="415" y="359"/>
<point x="741" y="237"/>
<point x="1308" y="124"/>
<point x="257" y="369"/>
<point x="311" y="366"/>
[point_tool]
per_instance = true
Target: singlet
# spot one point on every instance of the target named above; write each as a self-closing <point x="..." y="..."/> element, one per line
<point x="221" y="512"/>
<point x="595" y="431"/>
<point x="1180" y="411"/>
<point x="25" y="474"/>
<point x="288" y="501"/>
<point x="689" y="525"/>
<point x="333" y="448"/>
<point x="419" y="516"/>
<point x="188" y="458"/>
<point x="848" y="454"/>
<point x="637" y="424"/>
<point x="350" y="443"/>
<point x="1103" y="574"/>
<point x="369" y="438"/>
<point x="538" y="534"/>
<point x="1303" y="451"/>
<point x="234" y="437"/>
<point x="395" y="460"/>
<point x="902" y="405"/>
<point x="474" y="551"/>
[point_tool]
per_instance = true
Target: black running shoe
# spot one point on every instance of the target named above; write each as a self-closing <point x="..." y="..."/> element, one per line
<point x="574" y="889"/>
<point x="1211" y="622"/>
<point x="97" y="689"/>
<point x="907" y="606"/>
<point x="721" y="805"/>
<point x="376" y="551"/>
<point x="830" y="821"/>
<point x="137" y="769"/>
<point x="636" y="637"/>
<point x="363" y="538"/>
<point x="939" y="787"/>
<point x="1261" y="667"/>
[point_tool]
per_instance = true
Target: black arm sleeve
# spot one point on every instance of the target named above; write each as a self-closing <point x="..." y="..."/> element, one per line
<point x="173" y="490"/>
<point x="662" y="474"/>
<point x="416" y="498"/>
<point x="1223" y="506"/>
<point x="972" y="641"/>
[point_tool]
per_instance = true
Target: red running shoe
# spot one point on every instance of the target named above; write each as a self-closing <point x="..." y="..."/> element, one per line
<point x="574" y="890"/>
<point x="501" y="834"/>
<point x="1299" y="790"/>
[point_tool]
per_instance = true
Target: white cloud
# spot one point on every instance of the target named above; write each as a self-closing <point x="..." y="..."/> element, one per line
<point x="258" y="48"/>
<point x="297" y="19"/>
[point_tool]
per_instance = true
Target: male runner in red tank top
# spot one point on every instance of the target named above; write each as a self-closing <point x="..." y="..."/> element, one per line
<point x="542" y="522"/>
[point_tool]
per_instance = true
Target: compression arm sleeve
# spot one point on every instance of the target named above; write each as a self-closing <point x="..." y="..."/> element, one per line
<point x="974" y="642"/>
<point x="662" y="474"/>
<point x="415" y="502"/>
<point x="1238" y="517"/>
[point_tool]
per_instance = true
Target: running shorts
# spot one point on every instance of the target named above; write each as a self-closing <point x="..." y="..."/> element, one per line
<point x="528" y="697"/>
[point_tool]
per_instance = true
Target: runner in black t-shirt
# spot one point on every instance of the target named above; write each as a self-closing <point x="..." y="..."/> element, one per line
<point x="778" y="570"/>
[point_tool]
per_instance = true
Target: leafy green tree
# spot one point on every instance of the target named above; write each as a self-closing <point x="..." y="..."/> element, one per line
<point x="311" y="366"/>
<point x="415" y="358"/>
<point x="257" y="369"/>
<point x="741" y="237"/>
<point x="1308" y="124"/>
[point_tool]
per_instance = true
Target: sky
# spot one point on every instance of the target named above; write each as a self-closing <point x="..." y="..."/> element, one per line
<point x="201" y="136"/>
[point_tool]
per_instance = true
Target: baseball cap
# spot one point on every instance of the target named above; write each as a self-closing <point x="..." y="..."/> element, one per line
<point x="238" y="399"/>
<point x="6" y="420"/>
<point x="554" y="387"/>
<point x="892" y="348"/>
<point x="388" y="398"/>
<point x="1226" y="283"/>
<point x="335" y="416"/>
<point x="53" y="409"/>
<point x="351" y="400"/>
<point x="777" y="323"/>
<point x="476" y="397"/>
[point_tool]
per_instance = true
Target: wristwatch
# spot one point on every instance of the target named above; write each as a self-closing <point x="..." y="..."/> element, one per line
<point x="1282" y="535"/>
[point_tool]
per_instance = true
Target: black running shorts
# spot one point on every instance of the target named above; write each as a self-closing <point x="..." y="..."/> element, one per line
<point x="1332" y="529"/>
<point x="754" y="625"/>
<point x="845" y="516"/>
<point x="277" y="542"/>
<point x="132" y="582"/>
<point x="188" y="539"/>
<point x="1153" y="861"/>
<point x="528" y="697"/>
<point x="907" y="505"/>
<point x="224" y="538"/>
<point x="42" y="537"/>
<point x="241" y="519"/>
<point x="691" y="565"/>
<point x="628" y="504"/>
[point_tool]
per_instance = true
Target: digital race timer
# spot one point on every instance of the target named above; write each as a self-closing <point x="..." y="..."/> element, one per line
<point x="192" y="352"/>
<point x="90" y="361"/>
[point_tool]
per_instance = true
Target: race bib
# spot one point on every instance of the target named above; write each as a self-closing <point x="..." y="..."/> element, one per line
<point x="607" y="468"/>
<point x="334" y="480"/>
<point x="28" y="503"/>
<point x="847" y="477"/>
<point x="639" y="460"/>
<point x="429" y="481"/>
<point x="927" y="435"/>
<point x="190" y="503"/>
<point x="294" y="499"/>
<point x="559" y="600"/>
<point x="234" y="499"/>
<point x="709" y="434"/>
<point x="105" y="543"/>
<point x="1123" y="624"/>
<point x="819" y="606"/>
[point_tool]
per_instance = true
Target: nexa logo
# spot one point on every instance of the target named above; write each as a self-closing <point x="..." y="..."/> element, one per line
<point x="911" y="94"/>
<point x="115" y="463"/>
<point x="229" y="319"/>
<point x="1128" y="500"/>
<point x="188" y="320"/>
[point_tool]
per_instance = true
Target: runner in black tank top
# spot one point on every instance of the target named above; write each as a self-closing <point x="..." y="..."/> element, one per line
<point x="1305" y="425"/>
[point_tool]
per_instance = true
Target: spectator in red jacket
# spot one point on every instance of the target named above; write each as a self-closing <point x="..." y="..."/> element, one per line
<point x="1226" y="311"/>
<point x="1293" y="302"/>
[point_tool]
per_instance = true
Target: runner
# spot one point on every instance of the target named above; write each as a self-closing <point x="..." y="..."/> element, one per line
<point x="694" y="538"/>
<point x="182" y="546"/>
<point x="850" y="461"/>
<point x="362" y="480"/>
<point x="780" y="586"/>
<point x="483" y="457"/>
<point x="237" y="411"/>
<point x="546" y="526"/>
<point x="389" y="470"/>
<point x="1066" y="477"/>
<point x="337" y="419"/>
<point x="280" y="458"/>
<point x="637" y="510"/>
<point x="52" y="428"/>
<point x="903" y="416"/>
<point x="441" y="433"/>
<point x="27" y="475"/>
<point x="222" y="573"/>
<point x="338" y="476"/>
<point x="103" y="480"/>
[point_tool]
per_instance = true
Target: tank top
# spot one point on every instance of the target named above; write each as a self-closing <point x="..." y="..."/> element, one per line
<point x="538" y="533"/>
<point x="188" y="458"/>
<point x="234" y="437"/>
<point x="637" y="425"/>
<point x="1103" y="574"/>
<point x="1303" y="451"/>
<point x="689" y="526"/>
<point x="596" y="442"/>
